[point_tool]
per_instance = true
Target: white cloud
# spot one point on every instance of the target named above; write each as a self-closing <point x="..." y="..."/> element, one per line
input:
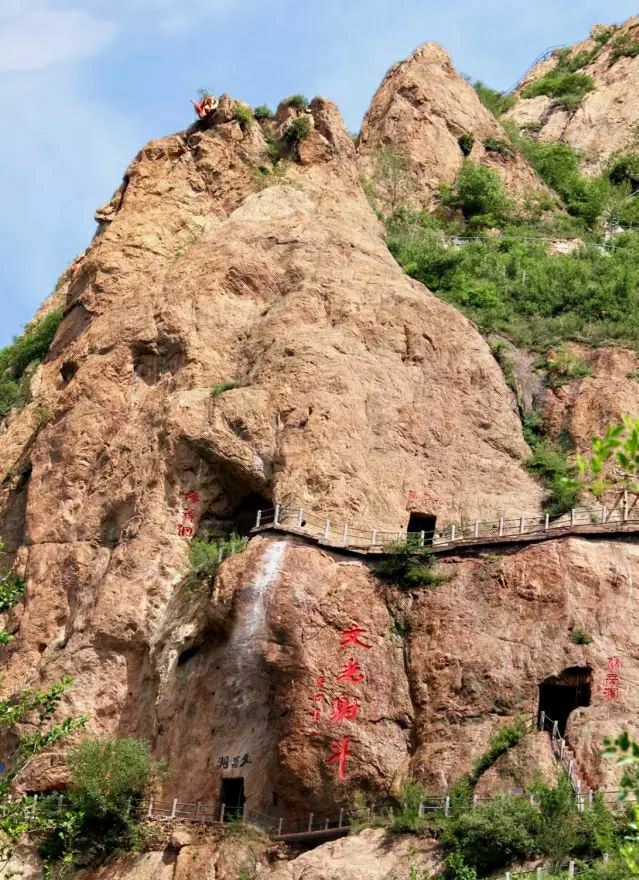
<point x="35" y="36"/>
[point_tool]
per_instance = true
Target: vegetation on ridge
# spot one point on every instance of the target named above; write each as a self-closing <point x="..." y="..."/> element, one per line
<point x="25" y="350"/>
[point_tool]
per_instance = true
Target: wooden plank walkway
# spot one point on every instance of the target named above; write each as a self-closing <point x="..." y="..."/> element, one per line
<point x="604" y="521"/>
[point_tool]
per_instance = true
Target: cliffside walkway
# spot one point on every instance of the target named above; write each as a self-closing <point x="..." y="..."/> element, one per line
<point x="371" y="541"/>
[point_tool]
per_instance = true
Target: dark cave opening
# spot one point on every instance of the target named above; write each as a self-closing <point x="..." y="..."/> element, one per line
<point x="559" y="695"/>
<point x="422" y="522"/>
<point x="232" y="796"/>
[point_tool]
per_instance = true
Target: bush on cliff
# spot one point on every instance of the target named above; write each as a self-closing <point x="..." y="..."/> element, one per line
<point x="495" y="101"/>
<point x="408" y="566"/>
<point x="479" y="194"/>
<point x="206" y="556"/>
<point x="31" y="347"/>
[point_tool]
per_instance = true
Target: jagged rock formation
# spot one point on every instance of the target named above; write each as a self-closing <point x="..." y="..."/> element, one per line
<point x="421" y="109"/>
<point x="354" y="386"/>
<point x="348" y="385"/>
<point x="606" y="121"/>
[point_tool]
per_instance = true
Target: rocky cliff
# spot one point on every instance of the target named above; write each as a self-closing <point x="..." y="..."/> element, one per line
<point x="421" y="110"/>
<point x="237" y="336"/>
<point x="605" y="122"/>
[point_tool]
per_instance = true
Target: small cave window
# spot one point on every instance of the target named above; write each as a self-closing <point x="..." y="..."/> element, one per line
<point x="245" y="514"/>
<point x="422" y="522"/>
<point x="559" y="695"/>
<point x="68" y="371"/>
<point x="188" y="654"/>
<point x="232" y="796"/>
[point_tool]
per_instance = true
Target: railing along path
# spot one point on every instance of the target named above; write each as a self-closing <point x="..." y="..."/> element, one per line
<point x="622" y="518"/>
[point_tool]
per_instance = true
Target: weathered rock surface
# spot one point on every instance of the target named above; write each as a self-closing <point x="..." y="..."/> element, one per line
<point x="420" y="110"/>
<point x="606" y="121"/>
<point x="480" y="646"/>
<point x="585" y="407"/>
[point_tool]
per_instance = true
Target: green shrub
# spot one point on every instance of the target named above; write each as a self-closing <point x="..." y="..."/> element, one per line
<point x="499" y="743"/>
<point x="205" y="556"/>
<point x="579" y="637"/>
<point x="108" y="779"/>
<point x="565" y="366"/>
<point x="494" y="834"/>
<point x="297" y="130"/>
<point x="5" y="637"/>
<point x="566" y="87"/>
<point x="243" y="115"/>
<point x="225" y="386"/>
<point x="406" y="819"/>
<point x="625" y="170"/>
<point x="408" y="566"/>
<point x="11" y="590"/>
<point x="297" y="102"/>
<point x="495" y="101"/>
<point x="457" y="869"/>
<point x="478" y="193"/>
<point x="31" y="347"/>
<point x="549" y="465"/>
<point x="498" y="145"/>
<point x="466" y="142"/>
<point x="532" y="125"/>
<point x="263" y="112"/>
<point x="272" y="147"/>
<point x="624" y="46"/>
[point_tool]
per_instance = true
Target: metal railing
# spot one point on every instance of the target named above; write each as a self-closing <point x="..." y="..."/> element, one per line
<point x="327" y="531"/>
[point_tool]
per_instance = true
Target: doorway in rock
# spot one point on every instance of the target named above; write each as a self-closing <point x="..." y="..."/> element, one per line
<point x="245" y="514"/>
<point x="559" y="695"/>
<point x="232" y="796"/>
<point x="422" y="522"/>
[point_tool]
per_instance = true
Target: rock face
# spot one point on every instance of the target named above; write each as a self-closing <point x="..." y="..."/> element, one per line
<point x="239" y="336"/>
<point x="421" y="109"/>
<point x="353" y="386"/>
<point x="480" y="647"/>
<point x="605" y="123"/>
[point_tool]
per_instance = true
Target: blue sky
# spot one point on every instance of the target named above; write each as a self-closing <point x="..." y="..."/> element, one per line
<point x="85" y="83"/>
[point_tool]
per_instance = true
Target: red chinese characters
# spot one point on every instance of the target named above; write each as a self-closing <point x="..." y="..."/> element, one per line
<point x="340" y="751"/>
<point x="344" y="710"/>
<point x="423" y="499"/>
<point x="184" y="528"/>
<point x="351" y="636"/>
<point x="351" y="672"/>
<point x="612" y="690"/>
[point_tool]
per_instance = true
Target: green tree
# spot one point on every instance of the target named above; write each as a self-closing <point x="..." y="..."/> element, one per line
<point x="478" y="193"/>
<point x="620" y="444"/>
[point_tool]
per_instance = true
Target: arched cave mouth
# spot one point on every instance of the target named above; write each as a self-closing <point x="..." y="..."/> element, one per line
<point x="240" y="519"/>
<point x="559" y="695"/>
<point x="419" y="522"/>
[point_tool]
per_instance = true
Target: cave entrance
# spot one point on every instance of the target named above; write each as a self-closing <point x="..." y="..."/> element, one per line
<point x="245" y="514"/>
<point x="422" y="522"/>
<point x="232" y="796"/>
<point x="559" y="695"/>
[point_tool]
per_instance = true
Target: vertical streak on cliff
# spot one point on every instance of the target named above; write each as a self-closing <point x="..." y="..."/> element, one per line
<point x="244" y="650"/>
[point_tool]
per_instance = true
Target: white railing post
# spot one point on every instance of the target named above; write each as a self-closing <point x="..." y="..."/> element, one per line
<point x="258" y="519"/>
<point x="476" y="529"/>
<point x="475" y="799"/>
<point x="539" y="873"/>
<point x="571" y="870"/>
<point x="591" y="797"/>
<point x="222" y="811"/>
<point x="373" y="537"/>
<point x="300" y="518"/>
<point x="276" y="517"/>
<point x="447" y="806"/>
<point x="327" y="529"/>
<point x="422" y="539"/>
<point x="279" y="827"/>
<point x="546" y="522"/>
<point x="310" y="821"/>
<point x="197" y="810"/>
<point x="150" y="810"/>
<point x="345" y="534"/>
<point x="606" y="857"/>
<point x="522" y="525"/>
<point x="625" y="505"/>
<point x="542" y="720"/>
<point x="507" y="875"/>
<point x="60" y="802"/>
<point x="421" y="811"/>
<point x="604" y="513"/>
<point x="501" y="526"/>
<point x="173" y="808"/>
<point x="572" y="516"/>
<point x="562" y="746"/>
<point x="452" y="533"/>
<point x="555" y="729"/>
<point x="341" y="818"/>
